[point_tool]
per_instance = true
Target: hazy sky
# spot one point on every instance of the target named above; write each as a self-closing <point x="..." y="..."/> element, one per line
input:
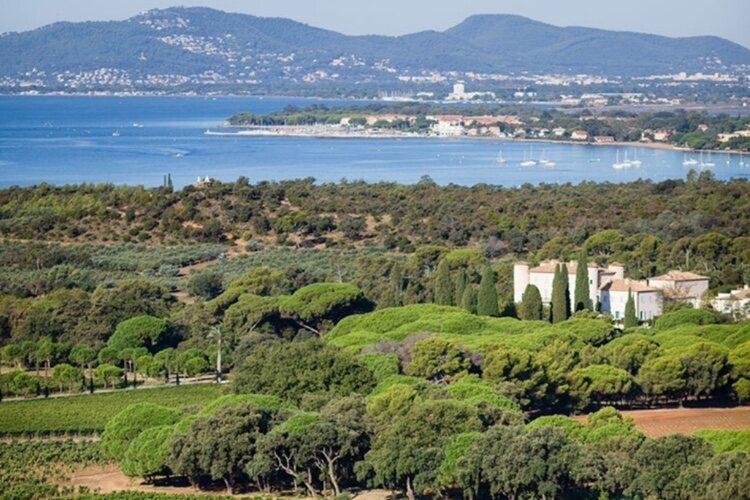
<point x="726" y="18"/>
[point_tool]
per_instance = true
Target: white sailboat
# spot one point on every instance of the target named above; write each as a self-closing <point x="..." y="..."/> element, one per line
<point x="635" y="162"/>
<point x="500" y="158"/>
<point x="689" y="162"/>
<point x="546" y="161"/>
<point x="742" y="160"/>
<point x="618" y="164"/>
<point x="706" y="164"/>
<point x="527" y="162"/>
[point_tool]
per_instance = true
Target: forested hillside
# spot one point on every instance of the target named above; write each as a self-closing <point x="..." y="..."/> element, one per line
<point x="180" y="49"/>
<point x="698" y="224"/>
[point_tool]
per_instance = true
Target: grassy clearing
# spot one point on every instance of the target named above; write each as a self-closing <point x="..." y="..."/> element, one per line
<point x="90" y="412"/>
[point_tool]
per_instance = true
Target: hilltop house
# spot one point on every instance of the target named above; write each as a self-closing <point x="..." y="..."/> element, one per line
<point x="613" y="296"/>
<point x="681" y="286"/>
<point x="203" y="183"/>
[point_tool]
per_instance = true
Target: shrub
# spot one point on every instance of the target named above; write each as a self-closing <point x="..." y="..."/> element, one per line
<point x="684" y="316"/>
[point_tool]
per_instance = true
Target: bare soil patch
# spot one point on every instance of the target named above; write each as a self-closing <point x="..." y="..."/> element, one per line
<point x="110" y="479"/>
<point x="662" y="422"/>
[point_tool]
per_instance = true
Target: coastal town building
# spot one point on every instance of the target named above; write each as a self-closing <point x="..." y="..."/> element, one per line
<point x="492" y="120"/>
<point x="594" y="100"/>
<point x="661" y="135"/>
<point x="579" y="135"/>
<point x="604" y="139"/>
<point x="681" y="286"/>
<point x="613" y="297"/>
<point x="459" y="93"/>
<point x="448" y="125"/>
<point x="735" y="303"/>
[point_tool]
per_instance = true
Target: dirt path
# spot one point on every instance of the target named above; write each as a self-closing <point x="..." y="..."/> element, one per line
<point x="109" y="479"/>
<point x="655" y="423"/>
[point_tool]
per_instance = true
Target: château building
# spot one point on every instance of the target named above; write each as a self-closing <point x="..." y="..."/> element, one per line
<point x="609" y="288"/>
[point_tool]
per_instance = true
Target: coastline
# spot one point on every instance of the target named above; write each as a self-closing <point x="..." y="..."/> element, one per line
<point x="266" y="133"/>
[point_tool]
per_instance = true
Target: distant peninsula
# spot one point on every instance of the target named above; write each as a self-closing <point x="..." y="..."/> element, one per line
<point x="680" y="129"/>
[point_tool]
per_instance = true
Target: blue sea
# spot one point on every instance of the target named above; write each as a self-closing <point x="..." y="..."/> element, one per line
<point x="137" y="140"/>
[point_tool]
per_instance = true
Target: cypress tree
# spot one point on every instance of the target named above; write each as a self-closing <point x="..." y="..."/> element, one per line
<point x="558" y="297"/>
<point x="582" y="298"/>
<point x="397" y="284"/>
<point x="566" y="289"/>
<point x="461" y="282"/>
<point x="630" y="320"/>
<point x="487" y="297"/>
<point x="394" y="292"/>
<point x="469" y="299"/>
<point x="531" y="304"/>
<point x="443" y="285"/>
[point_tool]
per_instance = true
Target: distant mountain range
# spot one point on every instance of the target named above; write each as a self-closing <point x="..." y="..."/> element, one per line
<point x="199" y="48"/>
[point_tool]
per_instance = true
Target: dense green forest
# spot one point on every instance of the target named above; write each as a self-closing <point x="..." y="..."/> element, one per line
<point x="368" y="337"/>
<point x="698" y="223"/>
<point x="421" y="439"/>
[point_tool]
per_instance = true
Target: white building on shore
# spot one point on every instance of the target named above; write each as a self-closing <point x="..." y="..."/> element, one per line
<point x="448" y="125"/>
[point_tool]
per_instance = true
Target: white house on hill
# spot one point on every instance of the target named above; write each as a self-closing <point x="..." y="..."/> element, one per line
<point x="613" y="296"/>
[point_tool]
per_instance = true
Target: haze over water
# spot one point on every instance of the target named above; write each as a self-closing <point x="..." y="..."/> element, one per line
<point x="64" y="140"/>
